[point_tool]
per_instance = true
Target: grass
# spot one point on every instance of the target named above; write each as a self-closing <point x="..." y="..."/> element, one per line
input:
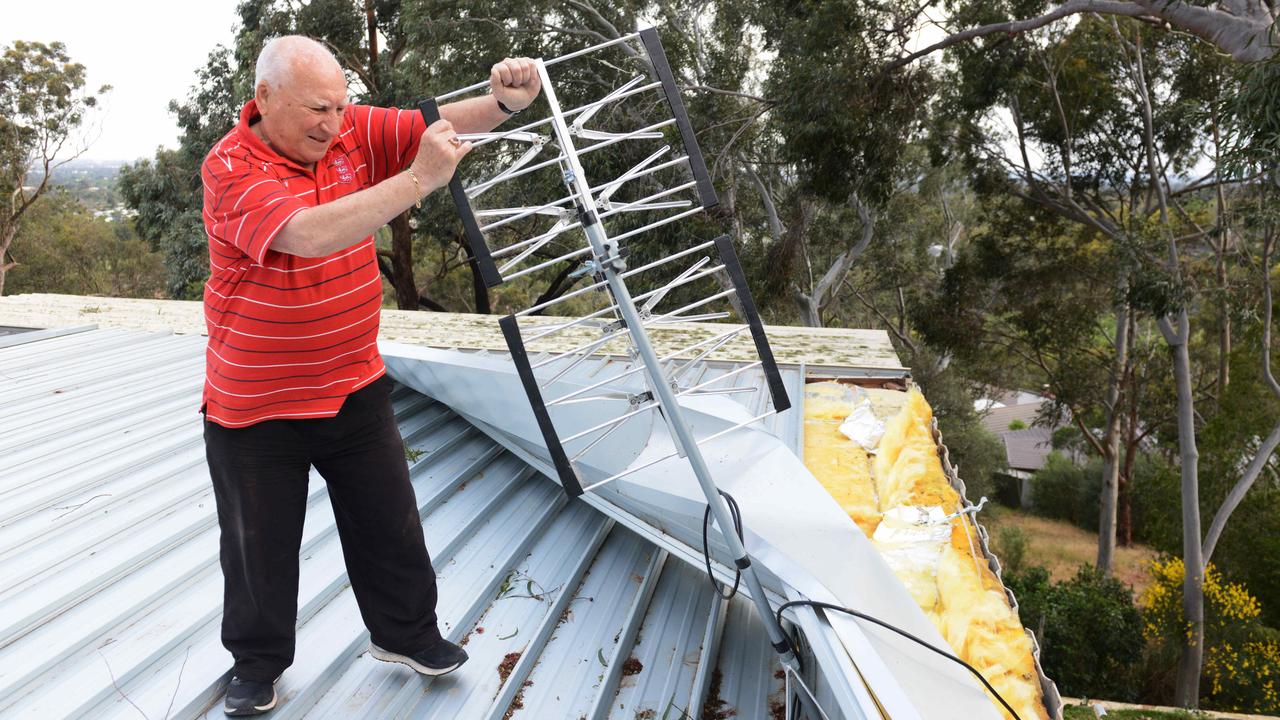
<point x="1062" y="547"/>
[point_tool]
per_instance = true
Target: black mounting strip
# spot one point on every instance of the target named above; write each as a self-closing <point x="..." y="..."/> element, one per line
<point x="724" y="245"/>
<point x="653" y="46"/>
<point x="515" y="343"/>
<point x="488" y="270"/>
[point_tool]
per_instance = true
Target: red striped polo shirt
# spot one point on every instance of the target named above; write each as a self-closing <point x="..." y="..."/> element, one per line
<point x="289" y="336"/>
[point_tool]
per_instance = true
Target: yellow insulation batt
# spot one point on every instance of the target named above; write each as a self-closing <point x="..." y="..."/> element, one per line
<point x="901" y="498"/>
<point x="840" y="464"/>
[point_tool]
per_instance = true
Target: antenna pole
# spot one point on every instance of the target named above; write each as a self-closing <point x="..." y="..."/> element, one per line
<point x="608" y="262"/>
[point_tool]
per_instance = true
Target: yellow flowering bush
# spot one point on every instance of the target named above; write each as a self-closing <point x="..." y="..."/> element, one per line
<point x="1242" y="656"/>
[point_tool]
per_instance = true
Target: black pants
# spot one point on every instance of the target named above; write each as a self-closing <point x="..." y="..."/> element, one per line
<point x="260" y="483"/>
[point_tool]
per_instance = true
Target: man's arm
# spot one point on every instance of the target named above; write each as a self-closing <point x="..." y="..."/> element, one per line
<point x="514" y="81"/>
<point x="333" y="226"/>
<point x="474" y="115"/>
<point x="328" y="228"/>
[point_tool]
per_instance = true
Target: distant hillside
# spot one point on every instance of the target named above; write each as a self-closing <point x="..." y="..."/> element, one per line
<point x="92" y="182"/>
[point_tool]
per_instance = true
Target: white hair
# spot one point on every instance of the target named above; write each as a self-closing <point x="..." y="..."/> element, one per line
<point x="276" y="61"/>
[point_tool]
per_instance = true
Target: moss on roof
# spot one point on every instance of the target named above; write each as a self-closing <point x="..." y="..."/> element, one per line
<point x="831" y="347"/>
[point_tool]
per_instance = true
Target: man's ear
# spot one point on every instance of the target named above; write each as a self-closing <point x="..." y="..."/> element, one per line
<point x="261" y="96"/>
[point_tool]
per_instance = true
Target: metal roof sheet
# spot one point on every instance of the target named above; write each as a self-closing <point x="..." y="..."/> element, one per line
<point x="111" y="593"/>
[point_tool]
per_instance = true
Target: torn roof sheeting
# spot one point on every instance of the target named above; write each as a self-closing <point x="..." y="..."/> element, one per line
<point x="110" y="592"/>
<point x="794" y="528"/>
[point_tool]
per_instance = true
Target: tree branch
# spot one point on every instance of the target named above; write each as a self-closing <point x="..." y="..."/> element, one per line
<point x="771" y="210"/>
<point x="1015" y="27"/>
<point x="430" y="304"/>
<point x="1244" y="34"/>
<point x="835" y="274"/>
<point x="733" y="93"/>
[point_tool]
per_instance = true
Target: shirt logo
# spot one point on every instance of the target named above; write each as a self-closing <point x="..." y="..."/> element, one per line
<point x="345" y="175"/>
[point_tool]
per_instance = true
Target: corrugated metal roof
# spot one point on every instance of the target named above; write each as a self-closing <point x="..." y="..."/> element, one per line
<point x="111" y="593"/>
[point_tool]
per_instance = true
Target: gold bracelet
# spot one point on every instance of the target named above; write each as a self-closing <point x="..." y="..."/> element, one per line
<point x="417" y="187"/>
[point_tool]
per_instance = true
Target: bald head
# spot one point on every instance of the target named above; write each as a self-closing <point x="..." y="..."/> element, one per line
<point x="288" y="58"/>
<point x="301" y="94"/>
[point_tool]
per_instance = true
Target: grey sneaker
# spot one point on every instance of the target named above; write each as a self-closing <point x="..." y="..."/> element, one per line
<point x="437" y="659"/>
<point x="249" y="697"/>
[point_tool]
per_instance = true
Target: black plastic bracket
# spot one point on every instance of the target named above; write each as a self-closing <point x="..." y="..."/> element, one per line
<point x="569" y="479"/>
<point x="475" y="239"/>
<point x="728" y="256"/>
<point x="657" y="56"/>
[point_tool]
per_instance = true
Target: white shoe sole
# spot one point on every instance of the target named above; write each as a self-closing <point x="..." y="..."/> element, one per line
<point x="388" y="656"/>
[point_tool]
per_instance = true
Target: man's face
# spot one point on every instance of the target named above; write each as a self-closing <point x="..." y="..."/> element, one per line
<point x="302" y="118"/>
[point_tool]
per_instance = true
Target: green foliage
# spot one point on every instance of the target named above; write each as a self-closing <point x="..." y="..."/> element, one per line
<point x="169" y="218"/>
<point x="1157" y="507"/>
<point x="1226" y="441"/>
<point x="847" y="123"/>
<point x="1250" y="122"/>
<point x="1027" y="282"/>
<point x="61" y="247"/>
<point x="42" y="104"/>
<point x="1067" y="491"/>
<point x="1011" y="547"/>
<point x="1090" y="632"/>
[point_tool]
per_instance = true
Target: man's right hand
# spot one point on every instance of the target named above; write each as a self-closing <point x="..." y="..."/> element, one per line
<point x="439" y="152"/>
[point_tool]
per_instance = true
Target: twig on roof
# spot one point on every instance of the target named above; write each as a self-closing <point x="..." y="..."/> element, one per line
<point x="117" y="687"/>
<point x="72" y="508"/>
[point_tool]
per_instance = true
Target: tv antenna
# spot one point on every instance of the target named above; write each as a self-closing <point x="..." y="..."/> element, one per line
<point x="525" y="237"/>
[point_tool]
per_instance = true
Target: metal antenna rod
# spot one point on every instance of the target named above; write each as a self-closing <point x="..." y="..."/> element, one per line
<point x="611" y="265"/>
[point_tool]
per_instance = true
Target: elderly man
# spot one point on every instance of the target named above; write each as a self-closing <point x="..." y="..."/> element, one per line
<point x="293" y="378"/>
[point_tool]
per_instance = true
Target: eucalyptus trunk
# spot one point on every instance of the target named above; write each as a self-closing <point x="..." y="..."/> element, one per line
<point x="1110" y="497"/>
<point x="810" y="313"/>
<point x="1187" y="689"/>
<point x="402" y="281"/>
<point x="7" y="233"/>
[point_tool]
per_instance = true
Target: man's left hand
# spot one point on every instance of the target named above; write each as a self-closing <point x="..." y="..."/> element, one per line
<point x="515" y="82"/>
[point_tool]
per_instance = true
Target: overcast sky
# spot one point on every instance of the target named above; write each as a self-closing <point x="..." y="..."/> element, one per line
<point x="147" y="50"/>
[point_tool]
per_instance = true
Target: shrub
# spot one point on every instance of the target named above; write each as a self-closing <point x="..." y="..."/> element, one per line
<point x="1242" y="656"/>
<point x="1011" y="548"/>
<point x="1066" y="491"/>
<point x="1155" y="494"/>
<point x="1090" y="632"/>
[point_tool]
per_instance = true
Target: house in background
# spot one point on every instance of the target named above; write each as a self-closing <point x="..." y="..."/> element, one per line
<point x="1013" y="417"/>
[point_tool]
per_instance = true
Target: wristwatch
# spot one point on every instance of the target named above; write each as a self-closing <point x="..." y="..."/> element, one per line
<point x="508" y="110"/>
